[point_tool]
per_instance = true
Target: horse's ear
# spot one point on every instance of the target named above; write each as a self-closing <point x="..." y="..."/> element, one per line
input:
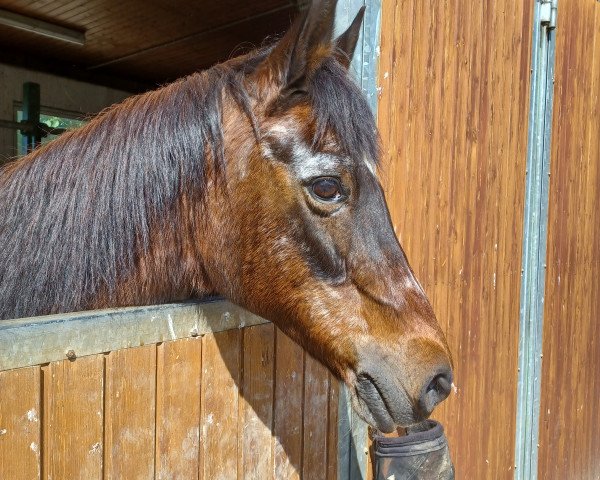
<point x="298" y="50"/>
<point x="345" y="44"/>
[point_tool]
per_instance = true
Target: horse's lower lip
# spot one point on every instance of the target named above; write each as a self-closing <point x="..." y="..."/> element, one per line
<point x="371" y="400"/>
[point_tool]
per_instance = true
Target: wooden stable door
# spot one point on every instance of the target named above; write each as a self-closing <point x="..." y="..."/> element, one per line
<point x="454" y="78"/>
<point x="570" y="406"/>
<point x="454" y="107"/>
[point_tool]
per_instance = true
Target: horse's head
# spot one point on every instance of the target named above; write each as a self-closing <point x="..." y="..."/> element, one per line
<point x="305" y="238"/>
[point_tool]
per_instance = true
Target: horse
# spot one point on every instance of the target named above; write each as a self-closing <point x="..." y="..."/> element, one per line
<point x="254" y="180"/>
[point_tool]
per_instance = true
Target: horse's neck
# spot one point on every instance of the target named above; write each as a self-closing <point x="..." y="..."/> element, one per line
<point x="171" y="268"/>
<point x="91" y="260"/>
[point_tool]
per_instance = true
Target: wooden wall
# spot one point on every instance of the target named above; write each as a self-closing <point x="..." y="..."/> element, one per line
<point x="570" y="414"/>
<point x="453" y="117"/>
<point x="242" y="403"/>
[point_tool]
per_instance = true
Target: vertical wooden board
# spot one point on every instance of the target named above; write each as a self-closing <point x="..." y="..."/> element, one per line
<point x="73" y="418"/>
<point x="289" y="394"/>
<point x="315" y="410"/>
<point x="20" y="423"/>
<point x="178" y="383"/>
<point x="453" y="120"/>
<point x="332" y="429"/>
<point x="256" y="403"/>
<point x="130" y="408"/>
<point x="219" y="405"/>
<point x="569" y="435"/>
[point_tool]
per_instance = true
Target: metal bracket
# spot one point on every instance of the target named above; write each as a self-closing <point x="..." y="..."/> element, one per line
<point x="548" y="13"/>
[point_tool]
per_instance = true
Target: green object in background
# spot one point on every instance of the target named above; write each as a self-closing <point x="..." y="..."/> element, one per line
<point x="33" y="127"/>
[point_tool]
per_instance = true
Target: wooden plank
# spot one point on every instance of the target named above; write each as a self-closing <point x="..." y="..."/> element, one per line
<point x="33" y="341"/>
<point x="130" y="413"/>
<point x="287" y="421"/>
<point x="332" y="429"/>
<point x="219" y="405"/>
<point x="73" y="418"/>
<point x="20" y="424"/>
<point x="203" y="49"/>
<point x="178" y="375"/>
<point x="315" y="409"/>
<point x="569" y="435"/>
<point x="256" y="403"/>
<point x="453" y="121"/>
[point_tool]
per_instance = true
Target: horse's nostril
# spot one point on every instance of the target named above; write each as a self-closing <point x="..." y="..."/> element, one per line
<point x="435" y="391"/>
<point x="440" y="384"/>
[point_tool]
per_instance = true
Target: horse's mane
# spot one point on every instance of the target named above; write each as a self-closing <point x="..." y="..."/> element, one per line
<point x="77" y="211"/>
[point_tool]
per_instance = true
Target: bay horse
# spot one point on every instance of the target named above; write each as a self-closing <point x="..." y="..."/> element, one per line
<point x="253" y="180"/>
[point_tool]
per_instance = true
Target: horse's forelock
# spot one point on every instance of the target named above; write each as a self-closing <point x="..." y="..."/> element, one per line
<point x="342" y="109"/>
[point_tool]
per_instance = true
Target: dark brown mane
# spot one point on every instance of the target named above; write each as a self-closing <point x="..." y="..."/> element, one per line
<point x="79" y="208"/>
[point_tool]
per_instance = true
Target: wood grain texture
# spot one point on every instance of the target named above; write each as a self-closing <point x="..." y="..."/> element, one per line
<point x="332" y="429"/>
<point x="130" y="410"/>
<point x="256" y="403"/>
<point x="569" y="414"/>
<point x="316" y="391"/>
<point x="20" y="424"/>
<point x="453" y="120"/>
<point x="289" y="395"/>
<point x="33" y="341"/>
<point x="219" y="405"/>
<point x="178" y="375"/>
<point x="73" y="418"/>
<point x="212" y="407"/>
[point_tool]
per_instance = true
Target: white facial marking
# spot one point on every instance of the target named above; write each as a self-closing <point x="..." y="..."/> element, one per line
<point x="418" y="284"/>
<point x="266" y="151"/>
<point x="370" y="166"/>
<point x="314" y="164"/>
<point x="278" y="128"/>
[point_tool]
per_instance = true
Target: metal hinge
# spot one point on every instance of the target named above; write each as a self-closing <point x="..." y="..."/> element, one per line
<point x="548" y="13"/>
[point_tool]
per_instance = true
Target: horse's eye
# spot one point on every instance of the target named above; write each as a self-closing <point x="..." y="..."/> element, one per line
<point x="327" y="188"/>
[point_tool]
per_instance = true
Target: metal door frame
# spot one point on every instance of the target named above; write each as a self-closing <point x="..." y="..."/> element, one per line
<point x="535" y="234"/>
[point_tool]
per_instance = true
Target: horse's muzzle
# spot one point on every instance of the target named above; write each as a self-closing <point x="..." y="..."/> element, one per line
<point x="387" y="395"/>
